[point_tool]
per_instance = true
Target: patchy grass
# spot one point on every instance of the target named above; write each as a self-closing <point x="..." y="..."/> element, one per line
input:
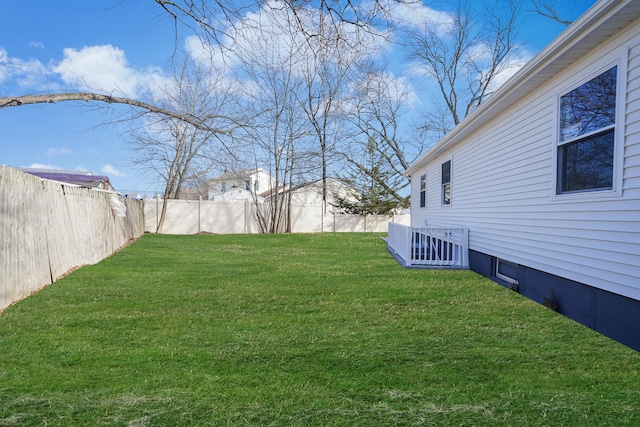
<point x="301" y="330"/>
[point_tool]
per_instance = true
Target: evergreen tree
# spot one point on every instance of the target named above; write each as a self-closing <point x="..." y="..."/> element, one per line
<point x="371" y="192"/>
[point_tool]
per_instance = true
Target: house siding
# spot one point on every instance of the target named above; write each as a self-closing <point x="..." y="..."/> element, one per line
<point x="631" y="169"/>
<point x="503" y="186"/>
<point x="606" y="312"/>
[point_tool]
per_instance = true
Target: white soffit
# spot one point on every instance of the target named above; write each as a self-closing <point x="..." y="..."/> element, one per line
<point x="603" y="20"/>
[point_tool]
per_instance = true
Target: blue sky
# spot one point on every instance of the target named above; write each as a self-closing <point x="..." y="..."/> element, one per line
<point x="48" y="46"/>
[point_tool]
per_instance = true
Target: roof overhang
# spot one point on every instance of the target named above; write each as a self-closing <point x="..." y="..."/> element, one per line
<point x="601" y="21"/>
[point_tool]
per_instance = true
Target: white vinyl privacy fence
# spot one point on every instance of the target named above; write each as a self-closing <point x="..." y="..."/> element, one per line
<point x="203" y="216"/>
<point x="48" y="229"/>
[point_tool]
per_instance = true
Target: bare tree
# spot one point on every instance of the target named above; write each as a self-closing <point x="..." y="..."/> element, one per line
<point x="202" y="123"/>
<point x="213" y="20"/>
<point x="376" y="151"/>
<point x="210" y="18"/>
<point x="463" y="56"/>
<point x="548" y="10"/>
<point x="324" y="74"/>
<point x="277" y="133"/>
<point x="174" y="150"/>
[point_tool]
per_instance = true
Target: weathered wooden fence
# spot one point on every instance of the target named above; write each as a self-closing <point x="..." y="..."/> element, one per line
<point x="203" y="216"/>
<point x="47" y="229"/>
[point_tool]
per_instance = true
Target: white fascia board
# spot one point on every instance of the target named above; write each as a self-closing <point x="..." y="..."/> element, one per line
<point x="551" y="59"/>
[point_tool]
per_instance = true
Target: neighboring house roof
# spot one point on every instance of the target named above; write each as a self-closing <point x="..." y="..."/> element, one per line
<point x="191" y="193"/>
<point x="315" y="187"/>
<point x="333" y="186"/>
<point x="82" y="179"/>
<point x="331" y="182"/>
<point x="257" y="180"/>
<point x="596" y="25"/>
<point x="273" y="191"/>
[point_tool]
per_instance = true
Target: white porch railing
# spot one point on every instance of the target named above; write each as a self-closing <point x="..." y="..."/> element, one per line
<point x="429" y="246"/>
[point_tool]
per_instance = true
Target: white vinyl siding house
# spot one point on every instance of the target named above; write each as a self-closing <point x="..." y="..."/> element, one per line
<point x="507" y="171"/>
<point x="241" y="185"/>
<point x="423" y="191"/>
<point x="587" y="135"/>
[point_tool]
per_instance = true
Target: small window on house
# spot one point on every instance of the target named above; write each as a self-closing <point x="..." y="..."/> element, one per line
<point x="224" y="186"/>
<point x="507" y="271"/>
<point x="256" y="187"/>
<point x="247" y="185"/>
<point x="446" y="183"/>
<point x="586" y="140"/>
<point x="423" y="191"/>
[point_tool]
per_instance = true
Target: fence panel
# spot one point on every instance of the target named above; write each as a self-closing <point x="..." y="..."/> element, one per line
<point x="194" y="216"/>
<point x="47" y="228"/>
<point x="61" y="229"/>
<point x="23" y="256"/>
<point x="182" y="218"/>
<point x="228" y="218"/>
<point x="191" y="217"/>
<point x="307" y="219"/>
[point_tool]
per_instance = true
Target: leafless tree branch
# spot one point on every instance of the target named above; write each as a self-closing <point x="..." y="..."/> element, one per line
<point x="16" y="101"/>
<point x="548" y="10"/>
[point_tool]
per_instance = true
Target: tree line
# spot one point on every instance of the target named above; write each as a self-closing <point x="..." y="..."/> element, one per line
<point x="306" y="91"/>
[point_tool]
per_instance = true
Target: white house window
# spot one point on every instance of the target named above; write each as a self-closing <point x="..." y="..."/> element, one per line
<point x="586" y="143"/>
<point x="224" y="186"/>
<point x="446" y="183"/>
<point x="247" y="184"/>
<point x="423" y="191"/>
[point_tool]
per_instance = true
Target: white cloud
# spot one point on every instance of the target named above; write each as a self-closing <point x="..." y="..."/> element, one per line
<point x="95" y="68"/>
<point x="395" y="93"/>
<point x="205" y="53"/>
<point x="266" y="36"/>
<point x="26" y="73"/>
<point x="53" y="152"/>
<point x="416" y="14"/>
<point x="43" y="166"/>
<point x="511" y="67"/>
<point x="110" y="170"/>
<point x="103" y="68"/>
<point x="37" y="45"/>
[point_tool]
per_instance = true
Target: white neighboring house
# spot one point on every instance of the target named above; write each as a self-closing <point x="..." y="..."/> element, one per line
<point x="241" y="185"/>
<point x="540" y="185"/>
<point x="236" y="195"/>
<point x="311" y="193"/>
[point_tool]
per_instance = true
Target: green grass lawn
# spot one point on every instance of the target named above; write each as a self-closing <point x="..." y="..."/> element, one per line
<point x="324" y="330"/>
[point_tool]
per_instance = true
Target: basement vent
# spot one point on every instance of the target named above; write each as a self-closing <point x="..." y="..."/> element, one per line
<point x="507" y="271"/>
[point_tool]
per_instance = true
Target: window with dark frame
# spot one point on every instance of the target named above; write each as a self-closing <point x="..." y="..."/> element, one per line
<point x="587" y="135"/>
<point x="446" y="183"/>
<point x="423" y="191"/>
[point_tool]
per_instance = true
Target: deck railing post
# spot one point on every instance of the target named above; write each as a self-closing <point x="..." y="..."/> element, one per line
<point x="430" y="246"/>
